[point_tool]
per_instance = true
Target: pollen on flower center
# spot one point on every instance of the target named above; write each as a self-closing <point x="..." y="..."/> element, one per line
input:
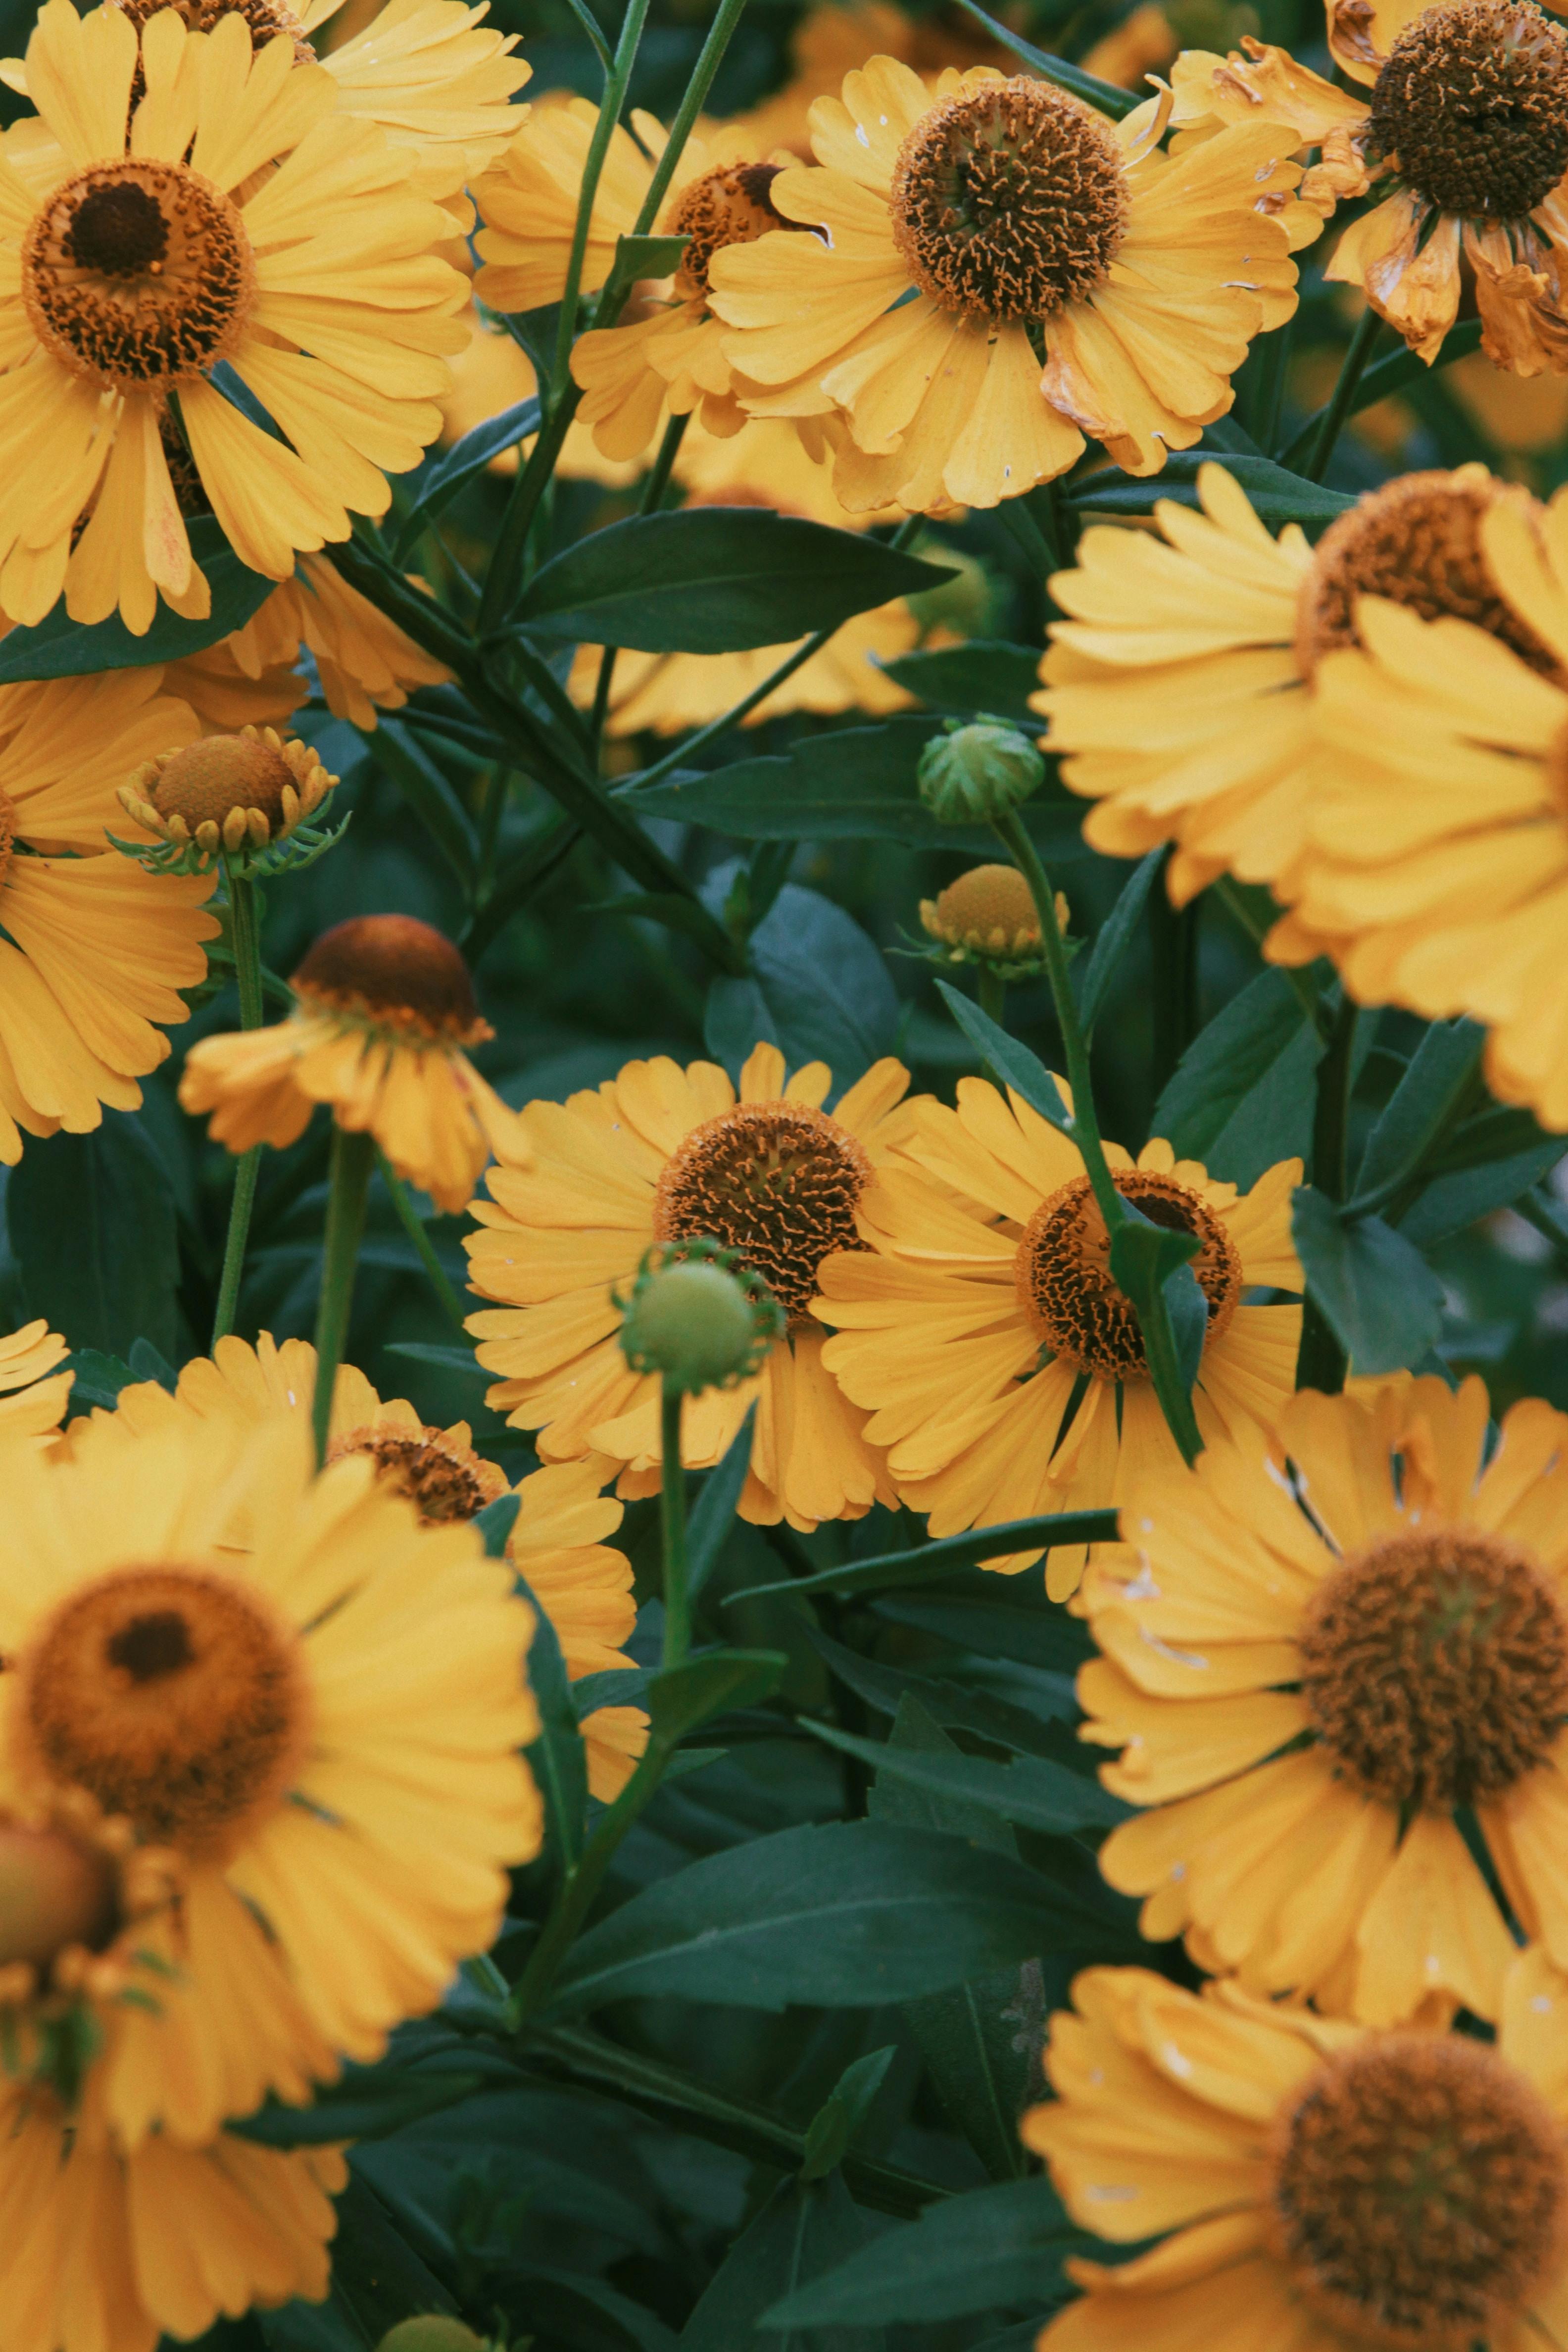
<point x="393" y="972"/>
<point x="442" y="1482"/>
<point x="1472" y="105"/>
<point x="205" y="779"/>
<point x="265" y="19"/>
<point x="1419" y="2194"/>
<point x="170" y="1695"/>
<point x="1434" y="1667"/>
<point x="138" y="274"/>
<point x="778" y="1182"/>
<point x="731" y="205"/>
<point x="1064" y="1280"/>
<point x="990" y="909"/>
<point x="1416" y="540"/>
<point x="1009" y="202"/>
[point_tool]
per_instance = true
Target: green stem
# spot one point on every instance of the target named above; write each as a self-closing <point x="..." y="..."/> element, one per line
<point x="673" y="1526"/>
<point x="1315" y="463"/>
<point x="652" y="499"/>
<point x="616" y="85"/>
<point x="707" y="63"/>
<point x="245" y="932"/>
<point x="532" y="481"/>
<point x="348" y="1184"/>
<point x="414" y="1226"/>
<point x="1320" y="1360"/>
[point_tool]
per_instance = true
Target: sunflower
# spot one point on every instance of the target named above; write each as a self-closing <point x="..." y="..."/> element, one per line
<point x="1178" y="690"/>
<point x="1466" y="124"/>
<point x="955" y="229"/>
<point x="1436" y="868"/>
<point x="660" y="1153"/>
<point x="979" y="1325"/>
<point x="305" y="1702"/>
<point x="94" y="950"/>
<point x="1312" y="2186"/>
<point x="32" y="1405"/>
<point x="134" y="274"/>
<point x="383" y="1009"/>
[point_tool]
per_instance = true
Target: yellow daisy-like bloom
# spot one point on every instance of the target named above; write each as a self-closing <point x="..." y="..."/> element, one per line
<point x="94" y="951"/>
<point x="958" y="226"/>
<point x="1468" y="117"/>
<point x="1178" y="690"/>
<point x="664" y="1154"/>
<point x="1314" y="2187"/>
<point x="227" y="794"/>
<point x="1310" y="1676"/>
<point x="32" y="1405"/>
<point x="1436" y="868"/>
<point x="670" y="360"/>
<point x="384" y="1008"/>
<point x="979" y="1326"/>
<point x="306" y="1699"/>
<point x="584" y="1588"/>
<point x="494" y="372"/>
<point x="667" y="692"/>
<point x="156" y="246"/>
<point x="988" y="917"/>
<point x="365" y="662"/>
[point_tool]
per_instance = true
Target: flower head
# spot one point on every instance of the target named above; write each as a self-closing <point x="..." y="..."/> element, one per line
<point x="698" y="1317"/>
<point x="229" y="799"/>
<point x="970" y="776"/>
<point x="988" y="917"/>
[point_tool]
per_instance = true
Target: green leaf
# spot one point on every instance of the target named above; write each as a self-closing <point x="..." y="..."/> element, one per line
<point x="399" y="751"/>
<point x="714" y="1515"/>
<point x="445" y="1360"/>
<point x="681" y="1698"/>
<point x="91" y="1224"/>
<point x="1493" y="1134"/>
<point x="1378" y="1294"/>
<point x="367" y="2102"/>
<point x="557" y="1759"/>
<point x="1032" y="1791"/>
<point x="713" y="579"/>
<point x="98" y="1378"/>
<point x="1440" y="1077"/>
<point x="62" y="647"/>
<point x="1115" y="937"/>
<point x="495" y="1524"/>
<point x="1044" y="1636"/>
<point x="1023" y="1071"/>
<point x="926" y="1562"/>
<point x="677" y="913"/>
<point x="1241" y="1096"/>
<point x="804" y="2230"/>
<point x="950" y="1706"/>
<point x="376" y="2272"/>
<point x="983" y="675"/>
<point x="978" y="2252"/>
<point x="465" y="458"/>
<point x="842" y="1915"/>
<point x="1102" y="95"/>
<point x="1277" y="496"/>
<point x="643" y="257"/>
<point x="818" y="988"/>
<point x="1152" y="1264"/>
<point x="1451" y="1202"/>
<point x="837" y="2125"/>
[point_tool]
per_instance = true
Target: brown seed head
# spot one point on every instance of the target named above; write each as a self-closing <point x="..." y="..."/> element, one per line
<point x="1418" y="2195"/>
<point x="990" y="910"/>
<point x="730" y="206"/>
<point x="1434" y="1667"/>
<point x="396" y="972"/>
<point x="1472" y="105"/>
<point x="1064" y="1281"/>
<point x="777" y="1182"/>
<point x="444" y="1481"/>
<point x="1009" y="202"/>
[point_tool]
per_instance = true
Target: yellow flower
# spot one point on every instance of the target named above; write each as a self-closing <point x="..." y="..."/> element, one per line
<point x="384" y="1007"/>
<point x="988" y="917"/>
<point x="95" y="950"/>
<point x="227" y="796"/>
<point x="980" y="1327"/>
<point x="32" y="1406"/>
<point x="1435" y="869"/>
<point x="950" y="237"/>
<point x="584" y="1588"/>
<point x="1468" y="115"/>
<point x="660" y="1153"/>
<point x="667" y="692"/>
<point x="494" y="372"/>
<point x="1313" y="2185"/>
<point x="670" y="358"/>
<point x="1310" y="1675"/>
<point x="317" y="283"/>
<point x="1178" y="690"/>
<point x="365" y="662"/>
<point x="109" y="2253"/>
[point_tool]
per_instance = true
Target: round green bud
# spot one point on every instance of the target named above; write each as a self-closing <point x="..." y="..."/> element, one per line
<point x="966" y="604"/>
<point x="698" y="1320"/>
<point x="435" y="2331"/>
<point x="970" y="776"/>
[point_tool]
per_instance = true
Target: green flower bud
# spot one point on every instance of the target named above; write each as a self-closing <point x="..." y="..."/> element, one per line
<point x="969" y="775"/>
<point x="435" y="2332"/>
<point x="966" y="604"/>
<point x="698" y="1317"/>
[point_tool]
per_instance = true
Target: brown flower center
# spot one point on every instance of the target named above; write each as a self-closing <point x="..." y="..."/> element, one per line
<point x="1472" y="105"/>
<point x="171" y="1696"/>
<point x="1009" y="202"/>
<point x="1434" y="1667"/>
<point x="138" y="274"/>
<point x="731" y="205"/>
<point x="1417" y="540"/>
<point x="1064" y="1279"/>
<point x="265" y="19"/>
<point x="204" y="780"/>
<point x="442" y="1482"/>
<point x="1418" y="2194"/>
<point x="393" y="972"/>
<point x="777" y="1181"/>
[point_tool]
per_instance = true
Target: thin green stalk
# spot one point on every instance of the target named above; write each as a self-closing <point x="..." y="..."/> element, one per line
<point x="1320" y="1360"/>
<point x="707" y="63"/>
<point x="353" y="1156"/>
<point x="1268" y="409"/>
<point x="672" y="1527"/>
<point x="414" y="1226"/>
<point x="616" y="82"/>
<point x="652" y="499"/>
<point x="490" y="829"/>
<point x="532" y="481"/>
<point x="1315" y="465"/>
<point x="245" y="932"/>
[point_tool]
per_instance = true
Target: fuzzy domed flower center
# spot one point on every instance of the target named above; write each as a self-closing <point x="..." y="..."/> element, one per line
<point x="777" y="1182"/>
<point x="265" y="19"/>
<point x="1065" y="1283"/>
<point x="443" y="1482"/>
<point x="1417" y="540"/>
<point x="1472" y="105"/>
<point x="137" y="274"/>
<point x="1418" y="2194"/>
<point x="1435" y="1666"/>
<point x="205" y="779"/>
<point x="991" y="908"/>
<point x="730" y="206"/>
<point x="172" y="1696"/>
<point x="395" y="972"/>
<point x="1009" y="201"/>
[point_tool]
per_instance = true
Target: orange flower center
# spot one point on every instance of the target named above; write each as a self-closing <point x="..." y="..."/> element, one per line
<point x="444" y="1481"/>
<point x="265" y="19"/>
<point x="1434" y="1667"/>
<point x="731" y="205"/>
<point x="990" y="909"/>
<point x="171" y="1696"/>
<point x="1064" y="1280"/>
<point x="394" y="972"/>
<point x="1009" y="202"/>
<point x="1472" y="108"/>
<point x="1418" y="2195"/>
<point x="205" y="781"/>
<point x="137" y="274"/>
<point x="777" y="1181"/>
